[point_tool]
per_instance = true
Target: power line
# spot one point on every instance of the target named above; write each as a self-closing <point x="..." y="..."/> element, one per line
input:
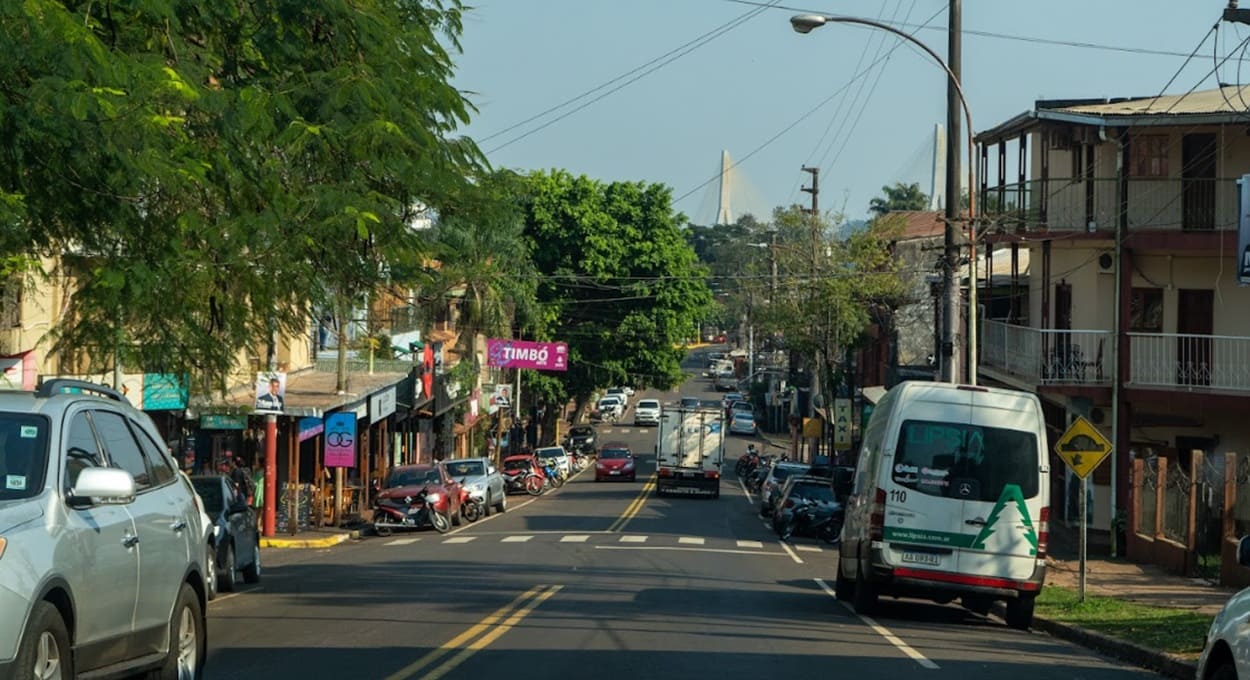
<point x="1000" y="36"/>
<point x="1214" y="29"/>
<point x="646" y="70"/>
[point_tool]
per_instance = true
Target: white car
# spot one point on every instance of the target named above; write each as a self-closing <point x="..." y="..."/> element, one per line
<point x="557" y="454"/>
<point x="619" y="393"/>
<point x="647" y="412"/>
<point x="1226" y="655"/>
<point x="610" y="408"/>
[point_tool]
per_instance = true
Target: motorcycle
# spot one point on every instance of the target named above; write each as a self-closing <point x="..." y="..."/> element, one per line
<point x="525" y="480"/>
<point x="412" y="512"/>
<point x="810" y="517"/>
<point x="552" y="476"/>
<point x="747" y="461"/>
<point x="471" y="505"/>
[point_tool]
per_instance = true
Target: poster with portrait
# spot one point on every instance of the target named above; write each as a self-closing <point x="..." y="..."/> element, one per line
<point x="270" y="392"/>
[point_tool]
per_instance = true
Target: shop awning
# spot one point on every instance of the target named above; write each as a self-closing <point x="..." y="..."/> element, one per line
<point x="309" y="394"/>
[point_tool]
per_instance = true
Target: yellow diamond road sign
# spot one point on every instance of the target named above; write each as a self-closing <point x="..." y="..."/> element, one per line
<point x="1082" y="447"/>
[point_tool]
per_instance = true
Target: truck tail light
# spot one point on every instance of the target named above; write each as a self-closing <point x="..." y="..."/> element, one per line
<point x="876" y="519"/>
<point x="665" y="472"/>
<point x="711" y="474"/>
<point x="1043" y="533"/>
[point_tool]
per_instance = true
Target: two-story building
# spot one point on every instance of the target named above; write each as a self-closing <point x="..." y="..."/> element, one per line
<point x="1132" y="315"/>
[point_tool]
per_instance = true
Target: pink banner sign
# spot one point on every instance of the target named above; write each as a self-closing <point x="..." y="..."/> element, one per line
<point x="541" y="356"/>
<point x="340" y="445"/>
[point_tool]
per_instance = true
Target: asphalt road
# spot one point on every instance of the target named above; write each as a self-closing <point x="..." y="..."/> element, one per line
<point x="605" y="581"/>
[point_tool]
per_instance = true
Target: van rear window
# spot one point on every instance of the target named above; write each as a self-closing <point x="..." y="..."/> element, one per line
<point x="967" y="462"/>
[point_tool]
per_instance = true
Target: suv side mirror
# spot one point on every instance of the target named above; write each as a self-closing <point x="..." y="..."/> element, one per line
<point x="103" y="486"/>
<point x="491" y="470"/>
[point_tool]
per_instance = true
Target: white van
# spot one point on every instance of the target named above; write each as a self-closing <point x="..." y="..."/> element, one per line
<point x="951" y="499"/>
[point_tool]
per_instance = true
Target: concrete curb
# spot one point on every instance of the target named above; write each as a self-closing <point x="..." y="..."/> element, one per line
<point x="1161" y="662"/>
<point x="326" y="542"/>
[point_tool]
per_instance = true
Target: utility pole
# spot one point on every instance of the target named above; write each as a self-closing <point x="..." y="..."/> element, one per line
<point x="948" y="357"/>
<point x="814" y="220"/>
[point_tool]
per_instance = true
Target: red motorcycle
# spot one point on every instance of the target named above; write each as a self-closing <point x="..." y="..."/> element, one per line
<point x="524" y="473"/>
<point x="747" y="461"/>
<point x="416" y="496"/>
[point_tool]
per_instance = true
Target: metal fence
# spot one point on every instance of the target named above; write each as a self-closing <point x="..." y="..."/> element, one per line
<point x="1241" y="501"/>
<point x="1176" y="496"/>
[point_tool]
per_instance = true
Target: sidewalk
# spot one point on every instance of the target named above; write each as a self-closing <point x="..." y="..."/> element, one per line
<point x="311" y="538"/>
<point x="1139" y="583"/>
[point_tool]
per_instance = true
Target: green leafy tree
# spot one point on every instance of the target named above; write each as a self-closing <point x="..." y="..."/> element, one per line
<point x="899" y="197"/>
<point x="618" y="274"/>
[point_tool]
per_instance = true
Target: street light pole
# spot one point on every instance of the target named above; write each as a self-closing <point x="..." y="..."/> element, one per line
<point x="805" y="23"/>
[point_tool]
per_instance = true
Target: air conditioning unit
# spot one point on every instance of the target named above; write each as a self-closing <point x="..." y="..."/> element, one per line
<point x="1106" y="263"/>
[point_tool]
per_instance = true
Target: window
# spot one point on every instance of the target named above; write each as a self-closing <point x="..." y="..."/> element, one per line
<point x="965" y="462"/>
<point x="1149" y="156"/>
<point x="123" y="450"/>
<point x="1146" y="310"/>
<point x="158" y="461"/>
<point x="81" y="450"/>
<point x="23" y="455"/>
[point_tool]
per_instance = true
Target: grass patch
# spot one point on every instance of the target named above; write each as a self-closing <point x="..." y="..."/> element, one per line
<point x="1175" y="631"/>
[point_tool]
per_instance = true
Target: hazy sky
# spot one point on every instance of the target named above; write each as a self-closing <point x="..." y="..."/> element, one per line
<point x="742" y="87"/>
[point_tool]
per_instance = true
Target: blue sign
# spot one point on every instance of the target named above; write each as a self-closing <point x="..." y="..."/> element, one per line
<point x="164" y="392"/>
<point x="310" y="427"/>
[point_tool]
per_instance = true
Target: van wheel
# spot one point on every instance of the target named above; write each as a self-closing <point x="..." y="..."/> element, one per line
<point x="1020" y="612"/>
<point x="864" y="597"/>
<point x="843" y="588"/>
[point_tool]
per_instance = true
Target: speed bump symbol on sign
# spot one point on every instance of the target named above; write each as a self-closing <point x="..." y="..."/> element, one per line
<point x="1082" y="447"/>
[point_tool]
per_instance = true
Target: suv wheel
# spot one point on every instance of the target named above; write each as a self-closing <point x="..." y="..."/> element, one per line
<point x="45" y="651"/>
<point x="251" y="573"/>
<point x="502" y="504"/>
<point x="210" y="571"/>
<point x="187" y="639"/>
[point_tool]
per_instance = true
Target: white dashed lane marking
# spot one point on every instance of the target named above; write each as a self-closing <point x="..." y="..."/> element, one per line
<point x="807" y="548"/>
<point x="403" y="541"/>
<point x="633" y="539"/>
<point x="460" y="539"/>
<point x="576" y="538"/>
<point x="750" y="544"/>
<point x="515" y="539"/>
<point x="691" y="540"/>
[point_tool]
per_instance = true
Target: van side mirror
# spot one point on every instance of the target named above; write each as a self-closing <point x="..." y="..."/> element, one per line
<point x="1243" y="551"/>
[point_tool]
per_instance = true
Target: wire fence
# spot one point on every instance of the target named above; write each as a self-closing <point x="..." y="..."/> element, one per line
<point x="1177" y="491"/>
<point x="1147" y="491"/>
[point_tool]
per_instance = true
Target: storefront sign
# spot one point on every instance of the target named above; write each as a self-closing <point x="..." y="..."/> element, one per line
<point x="218" y="422"/>
<point x="841" y="424"/>
<point x="541" y="356"/>
<point x="164" y="392"/>
<point x="381" y="405"/>
<point x="310" y="427"/>
<point x="340" y="447"/>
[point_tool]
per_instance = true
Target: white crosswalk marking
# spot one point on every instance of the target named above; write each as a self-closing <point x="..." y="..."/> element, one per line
<point x="403" y="541"/>
<point x="577" y="538"/>
<point x="633" y="539"/>
<point x="690" y="540"/>
<point x="807" y="548"/>
<point x="460" y="539"/>
<point x="515" y="539"/>
<point x="750" y="544"/>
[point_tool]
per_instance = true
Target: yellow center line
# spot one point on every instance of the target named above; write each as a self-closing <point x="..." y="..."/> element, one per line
<point x="634" y="507"/>
<point x="490" y="637"/>
<point x="456" y="642"/>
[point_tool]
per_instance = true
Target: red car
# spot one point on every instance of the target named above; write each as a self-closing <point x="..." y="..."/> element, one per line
<point x="407" y="481"/>
<point x="616" y="461"/>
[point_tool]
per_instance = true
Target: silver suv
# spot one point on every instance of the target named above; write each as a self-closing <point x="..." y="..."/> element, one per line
<point x="101" y="561"/>
<point x="482" y="479"/>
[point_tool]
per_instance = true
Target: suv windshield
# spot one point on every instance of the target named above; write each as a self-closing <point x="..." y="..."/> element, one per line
<point x="813" y="491"/>
<point x="466" y="468"/>
<point x="648" y="403"/>
<point x="23" y="455"/>
<point x="968" y="462"/>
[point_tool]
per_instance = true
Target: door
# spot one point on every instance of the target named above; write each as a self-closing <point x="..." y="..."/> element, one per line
<point x="162" y="529"/>
<point x="1060" y="361"/>
<point x="101" y="559"/>
<point x="1195" y="317"/>
<point x="1198" y="156"/>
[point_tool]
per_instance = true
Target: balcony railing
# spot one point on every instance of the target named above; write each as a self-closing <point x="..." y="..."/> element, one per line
<point x="1191" y="362"/>
<point x="1048" y="357"/>
<point x="1088" y="204"/>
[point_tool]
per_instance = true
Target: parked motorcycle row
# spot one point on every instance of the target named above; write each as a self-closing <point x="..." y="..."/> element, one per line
<point x="448" y="493"/>
<point x="801" y="500"/>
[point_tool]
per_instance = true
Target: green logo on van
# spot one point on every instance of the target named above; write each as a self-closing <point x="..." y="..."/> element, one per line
<point x="1011" y="492"/>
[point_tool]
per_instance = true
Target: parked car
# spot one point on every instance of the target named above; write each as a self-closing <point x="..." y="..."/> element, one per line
<point x="820" y="489"/>
<point x="407" y="481"/>
<point x="1225" y="656"/>
<point x="618" y="392"/>
<point x="647" y="412"/>
<point x="234" y="540"/>
<point x="610" y="408"/>
<point x="482" y="480"/>
<point x="102" y="542"/>
<point x="730" y="398"/>
<point x="742" y="422"/>
<point x="616" y="461"/>
<point x="772" y="483"/>
<point x="581" y="438"/>
<point x="557" y="455"/>
<point x="691" y="402"/>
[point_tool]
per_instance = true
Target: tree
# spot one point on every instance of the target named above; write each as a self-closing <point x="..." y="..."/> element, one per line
<point x="617" y="273"/>
<point x="899" y="197"/>
<point x="215" y="170"/>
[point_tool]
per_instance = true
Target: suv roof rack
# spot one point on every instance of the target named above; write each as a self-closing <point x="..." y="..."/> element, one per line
<point x="49" y="388"/>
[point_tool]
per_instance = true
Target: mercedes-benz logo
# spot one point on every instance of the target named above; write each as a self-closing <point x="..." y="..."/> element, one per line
<point x="965" y="489"/>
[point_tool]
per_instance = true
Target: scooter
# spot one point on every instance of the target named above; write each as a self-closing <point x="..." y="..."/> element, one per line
<point x="553" y="478"/>
<point x="418" y="512"/>
<point x="809" y="517"/>
<point x="747" y="461"/>
<point x="525" y="480"/>
<point x="470" y="505"/>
